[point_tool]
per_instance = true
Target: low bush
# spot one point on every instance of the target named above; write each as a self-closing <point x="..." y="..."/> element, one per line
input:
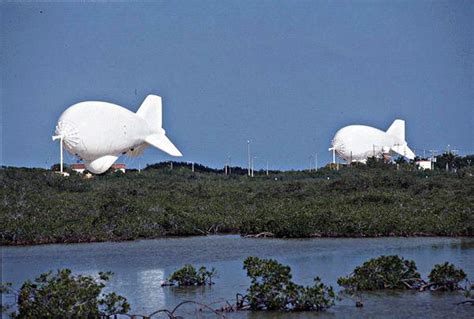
<point x="384" y="272"/>
<point x="189" y="276"/>
<point x="271" y="288"/>
<point x="393" y="272"/>
<point x="446" y="277"/>
<point x="63" y="295"/>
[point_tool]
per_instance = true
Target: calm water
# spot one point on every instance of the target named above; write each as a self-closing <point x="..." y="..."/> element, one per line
<point x="139" y="267"/>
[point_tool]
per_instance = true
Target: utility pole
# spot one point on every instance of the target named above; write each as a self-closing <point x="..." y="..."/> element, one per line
<point x="248" y="155"/>
<point x="316" y="162"/>
<point x="227" y="166"/>
<point x="433" y="159"/>
<point x="192" y="167"/>
<point x="251" y="167"/>
<point x="267" y="167"/>
<point x="61" y="151"/>
<point x="253" y="161"/>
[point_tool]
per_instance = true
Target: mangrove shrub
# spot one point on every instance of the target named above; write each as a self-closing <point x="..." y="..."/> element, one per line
<point x="63" y="295"/>
<point x="384" y="272"/>
<point x="446" y="277"/>
<point x="189" y="276"/>
<point x="272" y="289"/>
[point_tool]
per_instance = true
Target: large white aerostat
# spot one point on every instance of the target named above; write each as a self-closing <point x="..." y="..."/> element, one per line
<point x="355" y="143"/>
<point x="99" y="132"/>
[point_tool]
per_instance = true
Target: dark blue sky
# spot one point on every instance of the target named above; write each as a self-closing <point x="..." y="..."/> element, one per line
<point x="285" y="74"/>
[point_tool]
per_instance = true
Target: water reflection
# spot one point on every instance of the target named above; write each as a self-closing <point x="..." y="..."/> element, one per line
<point x="140" y="266"/>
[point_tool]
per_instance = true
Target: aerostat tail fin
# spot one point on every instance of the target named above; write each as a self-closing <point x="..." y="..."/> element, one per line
<point x="162" y="142"/>
<point x="151" y="111"/>
<point x="397" y="129"/>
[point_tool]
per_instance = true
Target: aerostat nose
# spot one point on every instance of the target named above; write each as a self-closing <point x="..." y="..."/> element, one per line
<point x="67" y="132"/>
<point x="336" y="142"/>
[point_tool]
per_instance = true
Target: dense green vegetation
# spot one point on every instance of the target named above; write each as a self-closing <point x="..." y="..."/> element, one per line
<point x="190" y="276"/>
<point x="63" y="295"/>
<point x="384" y="272"/>
<point x="39" y="206"/>
<point x="394" y="272"/>
<point x="271" y="288"/>
<point x="446" y="277"/>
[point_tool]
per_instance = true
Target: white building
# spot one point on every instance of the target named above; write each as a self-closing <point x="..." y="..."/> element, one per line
<point x="78" y="167"/>
<point x="81" y="167"/>
<point x="423" y="164"/>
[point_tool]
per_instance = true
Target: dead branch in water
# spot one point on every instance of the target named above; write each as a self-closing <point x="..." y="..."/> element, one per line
<point x="264" y="234"/>
<point x="170" y="313"/>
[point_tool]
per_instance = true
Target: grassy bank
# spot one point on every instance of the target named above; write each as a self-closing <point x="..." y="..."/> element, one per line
<point x="39" y="206"/>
